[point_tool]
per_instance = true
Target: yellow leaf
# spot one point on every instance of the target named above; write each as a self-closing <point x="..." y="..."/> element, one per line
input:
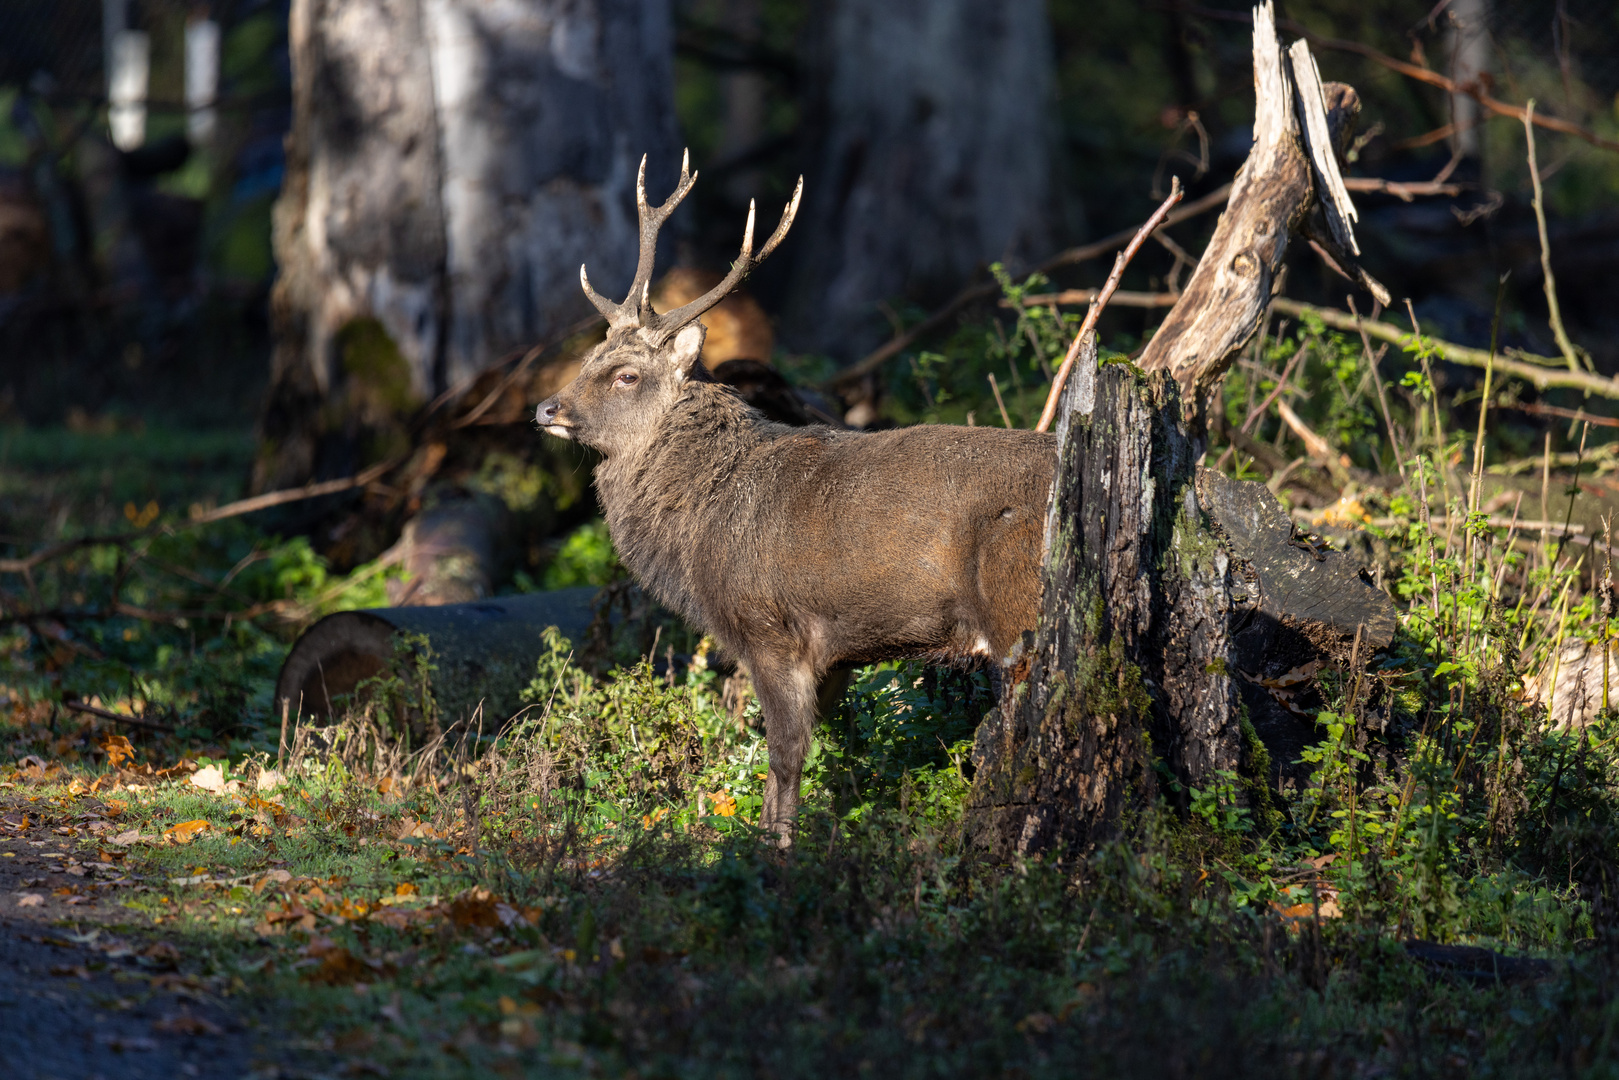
<point x="187" y="831"/>
<point x="406" y="888"/>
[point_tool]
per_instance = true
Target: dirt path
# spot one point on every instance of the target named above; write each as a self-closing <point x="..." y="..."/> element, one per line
<point x="87" y="990"/>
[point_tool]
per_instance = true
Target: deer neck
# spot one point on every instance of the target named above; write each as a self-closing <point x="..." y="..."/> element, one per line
<point x="662" y="502"/>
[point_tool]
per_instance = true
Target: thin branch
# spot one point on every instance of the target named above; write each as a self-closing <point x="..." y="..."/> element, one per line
<point x="1527" y="366"/>
<point x="1577" y="415"/>
<point x="1542" y="372"/>
<point x="107" y="714"/>
<point x="983" y="291"/>
<point x="1405" y="191"/>
<point x="1570" y="354"/>
<point x="1474" y="89"/>
<point x="1049" y="413"/>
<point x="1121" y="298"/>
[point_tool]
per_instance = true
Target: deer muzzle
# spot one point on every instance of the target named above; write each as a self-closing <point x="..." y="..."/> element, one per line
<point x="547" y="416"/>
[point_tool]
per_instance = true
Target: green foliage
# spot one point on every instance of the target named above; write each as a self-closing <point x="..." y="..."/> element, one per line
<point x="586" y="558"/>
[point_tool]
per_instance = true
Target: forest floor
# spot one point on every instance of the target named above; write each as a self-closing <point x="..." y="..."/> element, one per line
<point x="401" y="892"/>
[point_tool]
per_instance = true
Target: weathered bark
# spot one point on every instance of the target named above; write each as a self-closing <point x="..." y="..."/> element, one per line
<point x="1300" y="126"/>
<point x="1164" y="586"/>
<point x="933" y="159"/>
<point x="451" y="164"/>
<point x="1128" y="665"/>
<point x="359" y="239"/>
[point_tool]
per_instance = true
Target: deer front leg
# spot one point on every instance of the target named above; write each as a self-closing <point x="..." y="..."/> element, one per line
<point x="787" y="698"/>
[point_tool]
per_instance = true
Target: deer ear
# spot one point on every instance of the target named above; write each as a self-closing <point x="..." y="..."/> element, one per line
<point x="687" y="347"/>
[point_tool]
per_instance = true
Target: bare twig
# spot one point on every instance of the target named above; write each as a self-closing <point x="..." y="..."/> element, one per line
<point x="1528" y="367"/>
<point x="996" y="387"/>
<point x="1536" y="408"/>
<point x="1405" y="191"/>
<point x="983" y="291"/>
<point x="1473" y="89"/>
<point x="522" y="366"/>
<point x="1121" y="298"/>
<point x="1542" y="372"/>
<point x="1050" y="411"/>
<point x="1336" y="464"/>
<point x="107" y="714"/>
<point x="1570" y="354"/>
<point x="1382" y="397"/>
<point x="1281" y="384"/>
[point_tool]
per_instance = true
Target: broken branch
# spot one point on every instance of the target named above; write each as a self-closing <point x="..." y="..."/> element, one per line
<point x="1089" y="325"/>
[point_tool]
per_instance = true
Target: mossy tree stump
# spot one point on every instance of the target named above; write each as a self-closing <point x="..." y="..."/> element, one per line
<point x="1128" y="668"/>
<point x="1164" y="583"/>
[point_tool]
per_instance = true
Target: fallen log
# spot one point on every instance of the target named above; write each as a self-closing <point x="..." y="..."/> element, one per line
<point x="484" y="652"/>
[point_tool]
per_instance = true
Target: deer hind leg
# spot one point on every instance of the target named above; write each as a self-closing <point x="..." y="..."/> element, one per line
<point x="787" y="697"/>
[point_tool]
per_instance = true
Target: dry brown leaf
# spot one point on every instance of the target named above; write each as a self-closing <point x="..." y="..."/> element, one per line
<point x="30" y="900"/>
<point x="475" y="908"/>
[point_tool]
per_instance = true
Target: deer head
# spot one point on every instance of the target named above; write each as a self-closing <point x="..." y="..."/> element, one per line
<point x="648" y="360"/>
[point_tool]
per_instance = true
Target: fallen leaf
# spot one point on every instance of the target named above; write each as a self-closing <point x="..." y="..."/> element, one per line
<point x="187" y="831"/>
<point x="271" y="877"/>
<point x="338" y="966"/>
<point x="209" y="778"/>
<point x="115" y="807"/>
<point x="125" y="838"/>
<point x="117" y="749"/>
<point x="29" y="900"/>
<point x="406" y="888"/>
<point x="268" y="780"/>
<point x="475" y="908"/>
<point x="78" y="971"/>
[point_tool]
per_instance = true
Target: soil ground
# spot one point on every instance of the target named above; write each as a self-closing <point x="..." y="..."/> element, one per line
<point x="87" y="992"/>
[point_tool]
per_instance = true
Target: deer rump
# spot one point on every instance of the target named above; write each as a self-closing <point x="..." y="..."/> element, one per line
<point x="800" y="549"/>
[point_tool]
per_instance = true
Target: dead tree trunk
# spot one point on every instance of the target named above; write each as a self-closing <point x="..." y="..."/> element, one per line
<point x="932" y="158"/>
<point x="1127" y="668"/>
<point x="1165" y="584"/>
<point x="451" y="163"/>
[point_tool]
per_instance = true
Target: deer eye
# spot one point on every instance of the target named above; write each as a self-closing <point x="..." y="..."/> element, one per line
<point x="626" y="378"/>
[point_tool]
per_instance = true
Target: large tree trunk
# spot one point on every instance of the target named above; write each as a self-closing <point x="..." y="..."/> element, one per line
<point x="1164" y="584"/>
<point x="934" y="158"/>
<point x="451" y="164"/>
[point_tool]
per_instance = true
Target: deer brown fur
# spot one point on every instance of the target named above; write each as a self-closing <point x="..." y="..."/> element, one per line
<point x="800" y="549"/>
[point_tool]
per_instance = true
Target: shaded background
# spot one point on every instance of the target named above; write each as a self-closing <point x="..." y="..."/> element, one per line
<point x="444" y="166"/>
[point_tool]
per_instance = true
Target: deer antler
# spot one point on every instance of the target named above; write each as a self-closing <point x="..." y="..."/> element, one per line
<point x="636" y="310"/>
<point x="637" y="306"/>
<point x="670" y="321"/>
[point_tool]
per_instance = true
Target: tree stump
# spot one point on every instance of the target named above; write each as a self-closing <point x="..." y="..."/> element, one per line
<point x="1161" y="579"/>
<point x="1165" y="585"/>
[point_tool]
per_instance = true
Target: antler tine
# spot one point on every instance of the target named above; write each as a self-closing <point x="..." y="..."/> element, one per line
<point x="616" y="316"/>
<point x="652" y="219"/>
<point x="671" y="321"/>
<point x="787" y="217"/>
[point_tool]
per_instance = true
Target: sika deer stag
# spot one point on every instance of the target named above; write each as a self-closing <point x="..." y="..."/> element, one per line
<point x="800" y="549"/>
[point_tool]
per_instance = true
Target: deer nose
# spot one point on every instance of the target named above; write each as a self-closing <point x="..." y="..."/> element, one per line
<point x="546" y="414"/>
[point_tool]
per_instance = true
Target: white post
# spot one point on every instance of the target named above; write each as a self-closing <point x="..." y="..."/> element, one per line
<point x="202" y="79"/>
<point x="127" y="79"/>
